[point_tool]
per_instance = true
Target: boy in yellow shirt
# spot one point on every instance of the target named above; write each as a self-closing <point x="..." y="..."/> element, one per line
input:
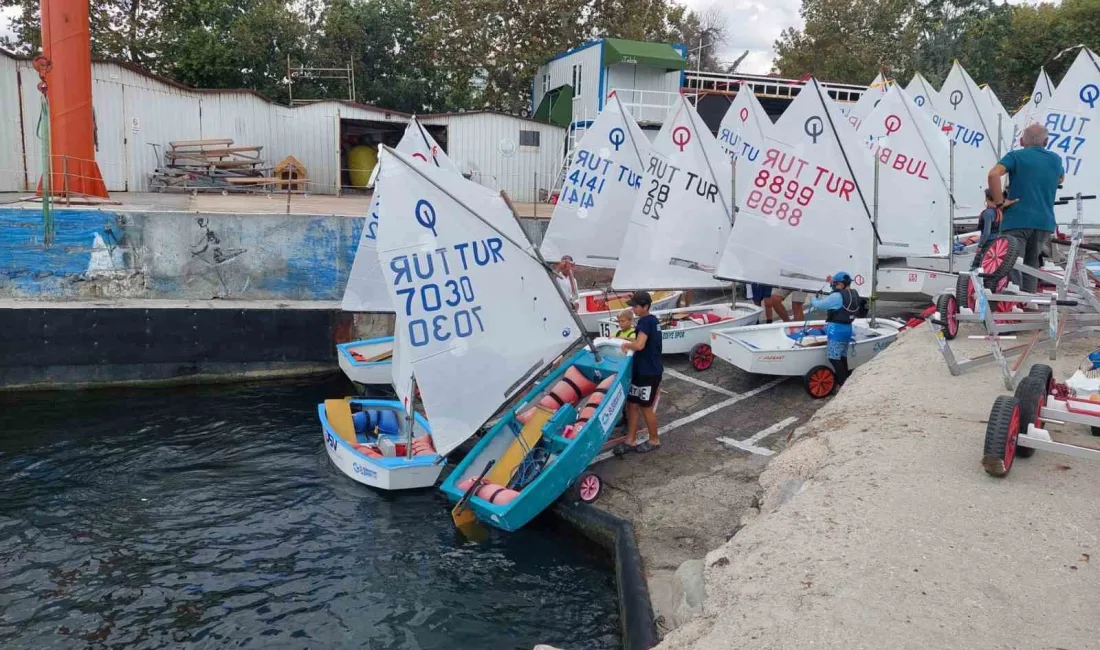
<point x="625" y="319"/>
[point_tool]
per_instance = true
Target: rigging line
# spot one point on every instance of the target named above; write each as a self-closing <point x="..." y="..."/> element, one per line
<point x="847" y="163"/>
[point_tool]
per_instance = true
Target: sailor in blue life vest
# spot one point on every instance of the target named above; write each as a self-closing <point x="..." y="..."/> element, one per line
<point x="840" y="307"/>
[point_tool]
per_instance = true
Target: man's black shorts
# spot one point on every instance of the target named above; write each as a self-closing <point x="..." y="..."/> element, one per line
<point x="643" y="389"/>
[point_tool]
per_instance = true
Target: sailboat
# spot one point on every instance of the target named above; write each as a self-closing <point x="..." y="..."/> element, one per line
<point x="924" y="95"/>
<point x="1032" y="110"/>
<point x="369" y="362"/>
<point x="868" y="100"/>
<point x="999" y="119"/>
<point x="970" y="122"/>
<point x="805" y="216"/>
<point x="1071" y="119"/>
<point x="591" y="215"/>
<point x="684" y="210"/>
<point x="915" y="221"/>
<point x="485" y="321"/>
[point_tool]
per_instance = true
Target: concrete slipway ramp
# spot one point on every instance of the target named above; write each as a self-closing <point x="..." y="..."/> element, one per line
<point x="878" y="528"/>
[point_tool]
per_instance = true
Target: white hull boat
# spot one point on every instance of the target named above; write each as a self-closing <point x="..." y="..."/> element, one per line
<point x="377" y="456"/>
<point x="368" y="362"/>
<point x="906" y="283"/>
<point x="686" y="330"/>
<point x="594" y="306"/>
<point x="790" y="350"/>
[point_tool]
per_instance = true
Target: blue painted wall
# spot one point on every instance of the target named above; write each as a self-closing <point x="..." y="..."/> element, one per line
<point x="176" y="255"/>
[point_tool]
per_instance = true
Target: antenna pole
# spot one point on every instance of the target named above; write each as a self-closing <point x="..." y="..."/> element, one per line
<point x="557" y="287"/>
<point x="951" y="208"/>
<point x="874" y="249"/>
<point x="1000" y="135"/>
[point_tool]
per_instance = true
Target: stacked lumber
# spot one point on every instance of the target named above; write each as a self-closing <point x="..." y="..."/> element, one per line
<point x="213" y="165"/>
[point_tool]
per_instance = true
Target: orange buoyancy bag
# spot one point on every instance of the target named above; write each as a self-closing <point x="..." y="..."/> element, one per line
<point x="422" y="446"/>
<point x="590" y="406"/>
<point x="705" y="318"/>
<point x="370" y="451"/>
<point x="569" y="390"/>
<point x="491" y="492"/>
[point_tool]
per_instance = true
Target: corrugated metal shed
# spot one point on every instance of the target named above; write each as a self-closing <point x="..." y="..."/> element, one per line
<point x="503" y="151"/>
<point x="135" y="110"/>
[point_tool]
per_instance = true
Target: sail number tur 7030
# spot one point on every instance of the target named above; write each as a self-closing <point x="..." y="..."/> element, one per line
<point x="436" y="293"/>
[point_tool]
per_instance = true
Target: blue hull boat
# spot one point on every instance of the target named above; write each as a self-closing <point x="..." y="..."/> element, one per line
<point x="539" y="450"/>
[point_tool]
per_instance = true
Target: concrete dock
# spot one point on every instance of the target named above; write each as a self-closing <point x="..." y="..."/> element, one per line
<point x="875" y="528"/>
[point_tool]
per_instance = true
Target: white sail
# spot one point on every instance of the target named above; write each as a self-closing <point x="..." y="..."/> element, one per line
<point x="923" y="94"/>
<point x="966" y="111"/>
<point x="364" y="290"/>
<point x="868" y="100"/>
<point x="593" y="209"/>
<point x="1000" y="122"/>
<point x="682" y="215"/>
<point x="914" y="191"/>
<point x="480" y="314"/>
<point x="744" y="127"/>
<point x="1071" y="120"/>
<point x="803" y="216"/>
<point x="1033" y="110"/>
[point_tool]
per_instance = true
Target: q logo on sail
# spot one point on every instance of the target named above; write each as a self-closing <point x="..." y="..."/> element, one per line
<point x="616" y="137"/>
<point x="814" y="127"/>
<point x="1089" y="94"/>
<point x="956" y="99"/>
<point x="681" y="135"/>
<point x="919" y="100"/>
<point x="425" y="216"/>
<point x="744" y="115"/>
<point x="892" y="124"/>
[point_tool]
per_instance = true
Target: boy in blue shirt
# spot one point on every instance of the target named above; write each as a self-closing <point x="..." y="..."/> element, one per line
<point x="645" y="381"/>
<point x="840" y="307"/>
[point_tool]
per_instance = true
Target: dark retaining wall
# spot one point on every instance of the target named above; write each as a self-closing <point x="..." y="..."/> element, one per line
<point x="617" y="536"/>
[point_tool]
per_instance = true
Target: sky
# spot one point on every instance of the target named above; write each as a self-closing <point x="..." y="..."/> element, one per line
<point x="753" y="25"/>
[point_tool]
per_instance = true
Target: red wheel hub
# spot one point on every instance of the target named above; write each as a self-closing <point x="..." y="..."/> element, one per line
<point x="703" y="357"/>
<point x="1013" y="434"/>
<point x="995" y="255"/>
<point x="821" y="383"/>
<point x="589" y="488"/>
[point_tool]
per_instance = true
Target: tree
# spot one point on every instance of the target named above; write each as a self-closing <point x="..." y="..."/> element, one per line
<point x="120" y="29"/>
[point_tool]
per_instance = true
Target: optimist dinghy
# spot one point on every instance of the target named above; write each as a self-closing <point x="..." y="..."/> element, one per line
<point x="368" y="362"/>
<point x="799" y="350"/>
<point x="593" y="210"/>
<point x="805" y="217"/>
<point x="1033" y="110"/>
<point x="484" y="321"/>
<point x="686" y="330"/>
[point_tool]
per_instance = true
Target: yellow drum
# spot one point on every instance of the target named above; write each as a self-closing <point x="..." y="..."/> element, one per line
<point x="361" y="162"/>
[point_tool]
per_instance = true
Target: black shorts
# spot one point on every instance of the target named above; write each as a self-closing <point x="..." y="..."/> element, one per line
<point x="644" y="389"/>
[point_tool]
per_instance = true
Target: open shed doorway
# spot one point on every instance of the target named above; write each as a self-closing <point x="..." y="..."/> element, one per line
<point x="356" y="166"/>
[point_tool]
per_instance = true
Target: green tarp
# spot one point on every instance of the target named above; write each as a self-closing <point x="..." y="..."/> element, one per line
<point x="556" y="107"/>
<point x="654" y="55"/>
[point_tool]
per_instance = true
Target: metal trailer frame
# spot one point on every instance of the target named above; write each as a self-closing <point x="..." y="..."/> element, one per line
<point x="1015" y="422"/>
<point x="1071" y="289"/>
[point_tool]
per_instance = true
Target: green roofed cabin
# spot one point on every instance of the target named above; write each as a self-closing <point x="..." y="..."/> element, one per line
<point x="570" y="89"/>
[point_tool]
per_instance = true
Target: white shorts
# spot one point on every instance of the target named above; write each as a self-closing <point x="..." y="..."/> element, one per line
<point x="795" y="296"/>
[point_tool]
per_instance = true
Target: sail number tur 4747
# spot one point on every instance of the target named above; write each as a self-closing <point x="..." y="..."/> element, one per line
<point x="436" y="293"/>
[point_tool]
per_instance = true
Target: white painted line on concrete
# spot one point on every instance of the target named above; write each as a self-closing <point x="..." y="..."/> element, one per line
<point x="699" y="382"/>
<point x="749" y="444"/>
<point x="688" y="419"/>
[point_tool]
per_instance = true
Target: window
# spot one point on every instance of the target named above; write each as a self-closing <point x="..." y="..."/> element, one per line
<point x="577" y="79"/>
<point x="529" y="139"/>
<point x="546" y="83"/>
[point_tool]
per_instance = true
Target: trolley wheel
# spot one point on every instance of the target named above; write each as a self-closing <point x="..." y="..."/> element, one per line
<point x="1032" y="399"/>
<point x="998" y="286"/>
<point x="1043" y="374"/>
<point x="948" y="308"/>
<point x="1000" y="256"/>
<point x="1000" y="436"/>
<point x="820" y="381"/>
<point x="964" y="292"/>
<point x="588" y="487"/>
<point x="701" y="356"/>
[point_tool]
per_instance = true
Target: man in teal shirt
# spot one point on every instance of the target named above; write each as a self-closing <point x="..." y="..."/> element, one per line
<point x="1034" y="174"/>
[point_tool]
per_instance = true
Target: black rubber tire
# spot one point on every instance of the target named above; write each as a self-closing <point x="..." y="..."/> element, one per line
<point x="1000" y="436"/>
<point x="962" y="290"/>
<point x="948" y="308"/>
<point x="1043" y="374"/>
<point x="1032" y="398"/>
<point x="1011" y="254"/>
<point x="815" y="385"/>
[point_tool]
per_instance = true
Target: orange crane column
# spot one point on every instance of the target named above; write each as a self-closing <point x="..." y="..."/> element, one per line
<point x="67" y="43"/>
